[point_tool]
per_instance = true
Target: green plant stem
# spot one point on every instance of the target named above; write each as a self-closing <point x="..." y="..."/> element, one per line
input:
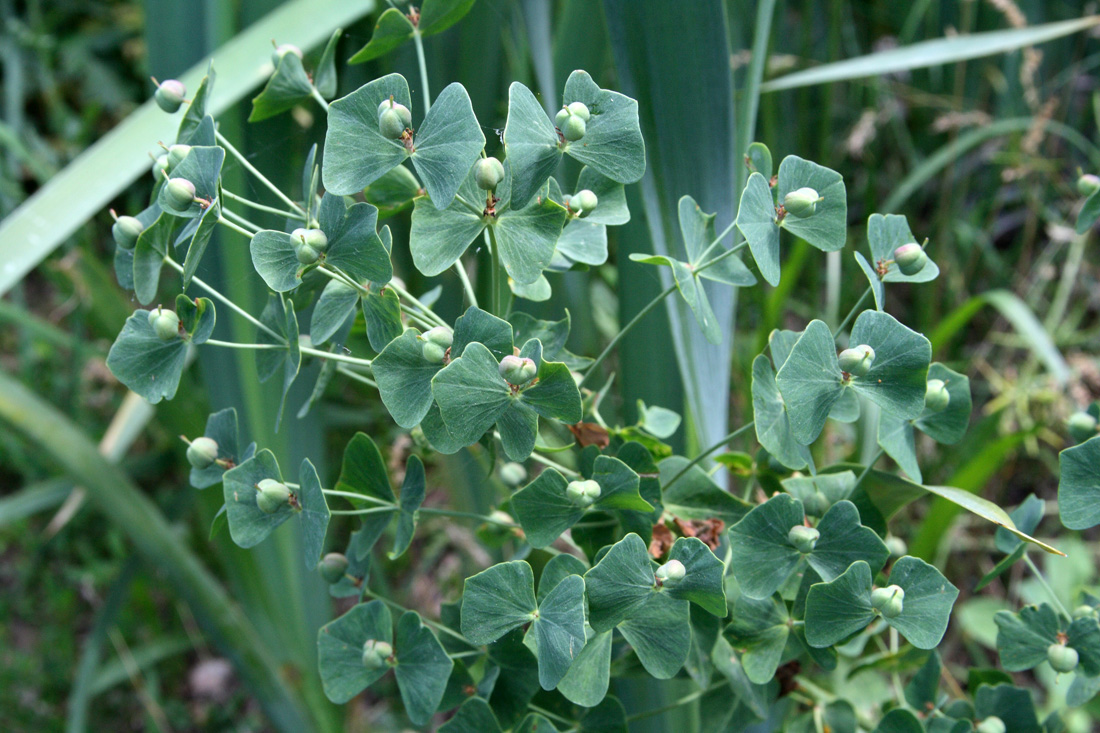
<point x="594" y="366"/>
<point x="495" y="307"/>
<point x="434" y="624"/>
<point x="699" y="458"/>
<point x="352" y="374"/>
<point x="225" y="222"/>
<point x="894" y="677"/>
<point x="467" y="286"/>
<point x="718" y="239"/>
<point x="335" y="357"/>
<point x="425" y="310"/>
<point x="317" y="96"/>
<point x="357" y="512"/>
<point x="547" y="714"/>
<point x="472" y="207"/>
<point x="431" y="512"/>
<point x="553" y="464"/>
<point x="419" y="43"/>
<point x="234" y="216"/>
<point x="226" y="301"/>
<point x="690" y="697"/>
<point x="260" y="176"/>
<point x="852" y="313"/>
<point x="1046" y="586"/>
<point x="235" y="345"/>
<point x="347" y="495"/>
<point x="260" y="207"/>
<point x="867" y="469"/>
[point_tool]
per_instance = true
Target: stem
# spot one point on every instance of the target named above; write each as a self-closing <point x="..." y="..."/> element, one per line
<point x="852" y="312"/>
<point x="894" y="677"/>
<point x="719" y="258"/>
<point x="547" y="714"/>
<point x="718" y="239"/>
<point x="351" y="495"/>
<point x="434" y="624"/>
<point x="495" y="271"/>
<point x="466" y="284"/>
<point x="553" y="464"/>
<point x="372" y="510"/>
<point x="425" y="310"/>
<point x="320" y="100"/>
<point x="241" y="220"/>
<point x="473" y="208"/>
<point x="868" y="467"/>
<point x="690" y="697"/>
<point x="335" y="357"/>
<point x="252" y="169"/>
<point x="618" y="337"/>
<point x="417" y="39"/>
<point x="226" y="301"/>
<point x="464" y="515"/>
<point x="1043" y="581"/>
<point x="235" y="345"/>
<point x="352" y="374"/>
<point x="225" y="222"/>
<point x="698" y="459"/>
<point x="260" y="207"/>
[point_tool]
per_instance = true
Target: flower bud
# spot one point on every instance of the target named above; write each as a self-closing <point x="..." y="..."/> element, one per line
<point x="314" y="238"/>
<point x="857" y="361"/>
<point x="574" y="128"/>
<point x="1062" y="658"/>
<point x="562" y="115"/>
<point x="1088" y="184"/>
<point x="888" y="601"/>
<point x="332" y="567"/>
<point x="202" y="452"/>
<point x="440" y="336"/>
<point x="514" y="474"/>
<point x="402" y="111"/>
<point x="376" y="653"/>
<point x="160" y="167"/>
<point x="1084" y="611"/>
<point x="803" y="538"/>
<point x="580" y="109"/>
<point x="126" y="231"/>
<point x="896" y="545"/>
<point x="390" y="124"/>
<point x="583" y="202"/>
<point x="166" y="324"/>
<point x="1082" y="426"/>
<point x="910" y="258"/>
<point x="936" y="396"/>
<point x="671" y="572"/>
<point x="282" y="50"/>
<point x="517" y="369"/>
<point x="169" y="95"/>
<point x="583" y="493"/>
<point x="271" y="495"/>
<point x="488" y="172"/>
<point x="802" y="202"/>
<point x="992" y="724"/>
<point x="306" y="255"/>
<point x="180" y="194"/>
<point x="816" y="504"/>
<point x="432" y="352"/>
<point x="176" y="154"/>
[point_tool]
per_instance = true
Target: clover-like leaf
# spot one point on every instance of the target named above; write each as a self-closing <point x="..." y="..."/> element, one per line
<point x="497" y="600"/>
<point x="196" y="245"/>
<point x="447" y="144"/>
<point x="412" y="496"/>
<point x="404" y="379"/>
<point x="1013" y="705"/>
<point x="203" y="168"/>
<point x="471" y="394"/>
<point x="195" y="114"/>
<point x="691" y="290"/>
<point x="474" y="715"/>
<point x="532" y="143"/>
<point x="147" y="257"/>
<point x="756" y="220"/>
<point x="660" y="635"/>
<point x="340" y="650"/>
<point x="827" y="227"/>
<point x="771" y="422"/>
<point x="556" y="635"/>
<point x="354" y="245"/>
<point x="364" y="472"/>
<point x="248" y="524"/>
<point x="288" y="87"/>
<point x="612" y="144"/>
<point x="422" y="670"/>
<point x="1023" y="638"/>
<point x="810" y="382"/>
<point x="221" y="427"/>
<point x="493" y="333"/>
<point x="621" y="583"/>
<point x="885" y="234"/>
<point x="526" y="238"/>
<point x="696" y="496"/>
<point x="702" y="581"/>
<point x="1078" y="484"/>
<point x="144" y="362"/>
<point x="544" y="510"/>
<point x="760" y="627"/>
<point x="382" y="312"/>
<point x="356" y="153"/>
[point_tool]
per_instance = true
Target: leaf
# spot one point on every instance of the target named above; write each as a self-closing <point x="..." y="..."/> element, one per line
<point x="422" y="670"/>
<point x="203" y="168"/>
<point x="900" y="720"/>
<point x="620" y="584"/>
<point x="196" y="247"/>
<point x="612" y="144"/>
<point x="1013" y="705"/>
<point x="1026" y="517"/>
<point x="356" y="153"/>
<point x="382" y="312"/>
<point x="531" y="142"/>
<point x="475" y="715"/>
<point x="987" y="510"/>
<point x="897" y="379"/>
<point x="364" y="472"/>
<point x="393" y="192"/>
<point x="437" y="16"/>
<point x="756" y="220"/>
<point x="471" y="394"/>
<point x="404" y="379"/>
<point x="526" y="238"/>
<point x="248" y="525"/>
<point x="827" y="227"/>
<point x="222" y="428"/>
<point x="281" y="318"/>
<point x="696" y="496"/>
<point x="588" y="679"/>
<point x="771" y="422"/>
<point x="543" y="509"/>
<point x="556" y="635"/>
<point x="447" y="145"/>
<point x="412" y="496"/>
<point x="497" y="600"/>
<point x="288" y="87"/>
<point x="324" y="76"/>
<point x="1089" y="213"/>
<point x="844" y="541"/>
<point x="885" y="234"/>
<point x="840" y="608"/>
<point x="923" y="688"/>
<point x="761" y="628"/>
<point x="195" y="115"/>
<point x="145" y="363"/>
<point x="353" y="242"/>
<point x="1078" y="483"/>
<point x="702" y="582"/>
<point x="392" y="30"/>
<point x="619" y="486"/>
<point x="152" y="246"/>
<point x="313" y="513"/>
<point x="660" y="636"/>
<point x="810" y="381"/>
<point x="440" y="236"/>
<point x="340" y="650"/>
<point x="336" y="304"/>
<point x="877" y="288"/>
<point x="274" y="258"/>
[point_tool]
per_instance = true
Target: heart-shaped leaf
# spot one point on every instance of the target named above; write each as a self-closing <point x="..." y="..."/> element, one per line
<point x="221" y="427"/>
<point x="497" y="600"/>
<point x="353" y="242"/>
<point x="612" y="144"/>
<point x="404" y="379"/>
<point x="340" y="650"/>
<point x="288" y="87"/>
<point x="422" y="670"/>
<point x="336" y="304"/>
<point x="203" y="168"/>
<point x="144" y="362"/>
<point x="356" y="152"/>
<point x="364" y="472"/>
<point x="248" y="524"/>
<point x="771" y="422"/>
<point x="1078" y="483"/>
<point x="761" y="628"/>
<point x="756" y="220"/>
<point x="702" y="581"/>
<point x="556" y="635"/>
<point x="412" y="496"/>
<point x="885" y="234"/>
<point x="313" y="513"/>
<point x="827" y="227"/>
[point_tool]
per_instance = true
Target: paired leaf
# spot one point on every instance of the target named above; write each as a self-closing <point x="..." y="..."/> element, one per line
<point x="288" y="87"/>
<point x="1078" y="484"/>
<point x="340" y="650"/>
<point x="222" y="428"/>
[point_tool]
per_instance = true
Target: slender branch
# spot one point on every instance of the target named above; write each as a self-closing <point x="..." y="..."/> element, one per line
<point x="262" y="178"/>
<point x="1043" y="581"/>
<point x="241" y="220"/>
<point x="320" y="100"/>
<point x="466" y="284"/>
<point x="718" y="239"/>
<point x="356" y="512"/>
<point x="352" y="374"/>
<point x="868" y="467"/>
<point x="547" y="714"/>
<point x="426" y="311"/>
<point x="351" y="495"/>
<point x="335" y="357"/>
<point x="226" y="301"/>
<point x="225" y="222"/>
<point x="260" y="207"/>
<point x="593" y="367"/>
<point x="495" y="272"/>
<point x="699" y="458"/>
<point x="434" y="624"/>
<point x="719" y="258"/>
<point x="418" y="41"/>
<point x="852" y="313"/>
<point x="235" y="345"/>
<point x="553" y="464"/>
<point x="690" y="697"/>
<point x="464" y="515"/>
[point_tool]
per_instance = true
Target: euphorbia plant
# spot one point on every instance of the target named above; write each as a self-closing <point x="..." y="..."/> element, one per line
<point x="623" y="552"/>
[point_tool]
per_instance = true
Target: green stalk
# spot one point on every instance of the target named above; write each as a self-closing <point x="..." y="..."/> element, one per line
<point x="699" y="458"/>
<point x="260" y="207"/>
<point x="226" y="301"/>
<point x="259" y="176"/>
<point x="495" y="308"/>
<point x="419" y="43"/>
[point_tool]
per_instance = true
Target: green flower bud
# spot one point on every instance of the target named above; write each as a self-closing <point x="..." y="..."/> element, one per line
<point x="574" y="128"/>
<point x="488" y="172"/>
<point x="802" y="202"/>
<point x="671" y="572"/>
<point x="169" y="95"/>
<point x="180" y="194"/>
<point x="936" y="396"/>
<point x="803" y="538"/>
<point x="376" y="654"/>
<point x="282" y="50"/>
<point x="583" y="493"/>
<point x="517" y="369"/>
<point x="580" y="109"/>
<point x="1062" y="658"/>
<point x="992" y="724"/>
<point x="390" y="124"/>
<point x="433" y="353"/>
<point x="514" y="474"/>
<point x="888" y="601"/>
<point x="403" y="112"/>
<point x="166" y="324"/>
<point x="857" y="361"/>
<point x="202" y="452"/>
<point x="177" y="153"/>
<point x="160" y="167"/>
<point x="910" y="258"/>
<point x="896" y="545"/>
<point x="440" y="336"/>
<point x="816" y="504"/>
<point x="332" y="567"/>
<point x="126" y="231"/>
<point x="1084" y="611"/>
<point x="271" y="495"/>
<point x="583" y="202"/>
<point x="1088" y="184"/>
<point x="1082" y="426"/>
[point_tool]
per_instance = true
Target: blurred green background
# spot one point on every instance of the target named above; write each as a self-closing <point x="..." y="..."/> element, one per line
<point x="981" y="155"/>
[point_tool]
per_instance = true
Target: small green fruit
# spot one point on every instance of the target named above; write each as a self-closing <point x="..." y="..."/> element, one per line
<point x="1084" y="611"/>
<point x="433" y="353"/>
<point x="671" y="572"/>
<point x="179" y="194"/>
<point x="376" y="654"/>
<point x="573" y="128"/>
<point x="583" y="493"/>
<point x="816" y="504"/>
<point x="888" y="601"/>
<point x="857" y="361"/>
<point x="1081" y="425"/>
<point x="992" y="724"/>
<point x="562" y="115"/>
<point x="390" y="124"/>
<point x="314" y="238"/>
<point x="332" y="567"/>
<point x="271" y="495"/>
<point x="803" y="538"/>
<point x="910" y="258"/>
<point x="202" y="452"/>
<point x="306" y="255"/>
<point x="440" y="336"/>
<point x="1088" y="184"/>
<point x="488" y="172"/>
<point x="169" y="95"/>
<point x="402" y="112"/>
<point x="896" y="545"/>
<point x="126" y="231"/>
<point x="936" y="396"/>
<point x="514" y="474"/>
<point x="580" y="109"/>
<point x="583" y="202"/>
<point x="517" y="369"/>
<point x="166" y="324"/>
<point x="282" y="50"/>
<point x="177" y="153"/>
<point x="802" y="202"/>
<point x="160" y="167"/>
<point x="1062" y="658"/>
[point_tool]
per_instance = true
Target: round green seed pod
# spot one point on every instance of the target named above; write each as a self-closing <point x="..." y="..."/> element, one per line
<point x="910" y="258"/>
<point x="126" y="231"/>
<point x="517" y="369"/>
<point x="803" y="538"/>
<point x="282" y="50"/>
<point x="488" y="172"/>
<point x="390" y="124"/>
<point x="160" y="167"/>
<point x="1082" y="426"/>
<point x="440" y="336"/>
<point x="816" y="504"/>
<point x="896" y="545"/>
<point x="580" y="109"/>
<point x="1088" y="184"/>
<point x="560" y="118"/>
<point x="176" y="154"/>
<point x="306" y="255"/>
<point x="573" y="129"/>
<point x="857" y="361"/>
<point x="376" y="653"/>
<point x="583" y="493"/>
<point x="314" y="238"/>
<point x="403" y="112"/>
<point x="169" y="95"/>
<point x="166" y="324"/>
<point x="513" y="474"/>
<point x="802" y="202"/>
<point x="332" y="567"/>
<point x="180" y="194"/>
<point x="202" y="452"/>
<point x="671" y="572"/>
<point x="888" y="601"/>
<point x="992" y="724"/>
<point x="1062" y="658"/>
<point x="583" y="202"/>
<point x="1084" y="611"/>
<point x="433" y="353"/>
<point x="271" y="495"/>
<point x="936" y="396"/>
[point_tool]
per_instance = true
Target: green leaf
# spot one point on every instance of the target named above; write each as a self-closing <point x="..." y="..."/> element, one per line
<point x="897" y="379"/>
<point x="356" y="153"/>
<point x="404" y="379"/>
<point x="364" y="472"/>
<point x="618" y="486"/>
<point x="1013" y="705"/>
<point x="551" y="334"/>
<point x="274" y="259"/>
<point x="543" y="509"/>
<point x="336" y="304"/>
<point x="928" y="600"/>
<point x="756" y="220"/>
<point x="588" y="678"/>
<point x="324" y="76"/>
<point x="447" y="144"/>
<point x="153" y="244"/>
<point x="987" y="510"/>
<point x="885" y="234"/>
<point x="760" y="160"/>
<point x="437" y="16"/>
<point x="382" y="312"/>
<point x="313" y="513"/>
<point x="440" y="236"/>
<point x="423" y="668"/>
<point x="696" y="496"/>
<point x="353" y="244"/>
<point x="612" y="144"/>
<point x="497" y="600"/>
<point x="1078" y="482"/>
<point x="392" y="30"/>
<point x="923" y="689"/>
<point x="412" y="496"/>
<point x="611" y="207"/>
<point x="900" y="720"/>
<point x="877" y="288"/>
<point x="203" y="168"/>
<point x="393" y="192"/>
<point x="1026" y="517"/>
<point x="810" y="381"/>
<point x="761" y="628"/>
<point x="840" y="608"/>
<point x="248" y="525"/>
<point x="771" y="422"/>
<point x="279" y="316"/>
<point x="762" y="558"/>
<point x="526" y="237"/>
<point x="475" y="715"/>
<point x="196" y="247"/>
<point x="702" y="582"/>
<point x="288" y="87"/>
<point x="222" y="427"/>
<point x="144" y="362"/>
<point x="340" y="650"/>
<point x="620" y="584"/>
<point x="556" y="635"/>
<point x="1088" y="214"/>
<point x="827" y="227"/>
<point x="581" y="241"/>
<point x="844" y="541"/>
<point x="195" y="114"/>
<point x="660" y="635"/>
<point x="471" y="394"/>
<point x="1023" y="638"/>
<point x="532" y="143"/>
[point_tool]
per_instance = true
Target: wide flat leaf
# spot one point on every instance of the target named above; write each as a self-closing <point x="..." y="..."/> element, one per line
<point x="838" y="609"/>
<point x="897" y="439"/>
<point x="810" y="381"/>
<point x="324" y="76"/>
<point x="422" y="670"/>
<point x="404" y="379"/>
<point x="1013" y="705"/>
<point x="493" y="333"/>
<point x="364" y="472"/>
<point x="447" y="144"/>
<point x="762" y="558"/>
<point x="497" y="600"/>
<point x="543" y="509"/>
<point x="203" y="168"/>
<point x="475" y="715"/>
<point x="555" y="394"/>
<point x="897" y="380"/>
<point x="556" y="636"/>
<point x="620" y="584"/>
<point x="336" y="304"/>
<point x="437" y="16"/>
<point x="222" y="428"/>
<point x="827" y="227"/>
<point x="1078" y="484"/>
<point x="531" y="142"/>
<point x="928" y="600"/>
<point x="353" y="242"/>
<point x="612" y="144"/>
<point x="153" y="244"/>
<point x="196" y="246"/>
<point x="440" y="236"/>
<point x="288" y="86"/>
<point x="949" y="425"/>
<point x="756" y="220"/>
<point x="248" y="524"/>
<point x="412" y="496"/>
<point x="382" y="312"/>
<point x="761" y="628"/>
<point x="313" y="513"/>
<point x="145" y="363"/>
<point x="660" y="635"/>
<point x="696" y="496"/>
<point x="844" y="541"/>
<point x="471" y="394"/>
<point x="1023" y="638"/>
<point x="392" y="30"/>
<point x="771" y="422"/>
<point x="275" y="261"/>
<point x="589" y="677"/>
<point x="619" y="486"/>
<point x="611" y="207"/>
<point x="702" y="583"/>
<point x="527" y="236"/>
<point x="340" y="650"/>
<point x="356" y="153"/>
<point x="885" y="234"/>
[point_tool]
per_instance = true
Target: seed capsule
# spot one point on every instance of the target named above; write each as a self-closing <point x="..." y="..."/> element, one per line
<point x="816" y="504"/>
<point x="936" y="396"/>
<point x="992" y="724"/>
<point x="440" y="336"/>
<point x="583" y="493"/>
<point x="169" y="95"/>
<point x="803" y="538"/>
<point x="583" y="202"/>
<point x="126" y="231"/>
<point x="332" y="567"/>
<point x="671" y="572"/>
<point x="580" y="109"/>
<point x="1062" y="658"/>
<point x="179" y="194"/>
<point x="488" y="172"/>
<point x="1088" y="184"/>
<point x="202" y="452"/>
<point x="514" y="474"/>
<point x="910" y="258"/>
<point x="166" y="324"/>
<point x="857" y="361"/>
<point x="1082" y="426"/>
<point x="390" y="124"/>
<point x="517" y="369"/>
<point x="177" y="153"/>
<point x="403" y="112"/>
<point x="433" y="352"/>
<point x="376" y="653"/>
<point x="271" y="496"/>
<point x="573" y="128"/>
<point x="802" y="202"/>
<point x="888" y="601"/>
